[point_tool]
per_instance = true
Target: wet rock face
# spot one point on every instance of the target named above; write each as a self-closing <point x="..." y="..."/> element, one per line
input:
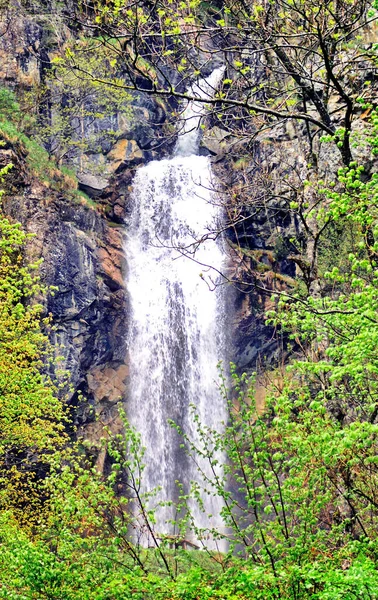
<point x="19" y="45"/>
<point x="138" y="138"/>
<point x="125" y="153"/>
<point x="83" y="259"/>
<point x="260" y="244"/>
<point x="80" y="241"/>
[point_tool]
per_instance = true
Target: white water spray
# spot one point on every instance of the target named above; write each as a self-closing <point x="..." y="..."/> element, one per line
<point x="177" y="322"/>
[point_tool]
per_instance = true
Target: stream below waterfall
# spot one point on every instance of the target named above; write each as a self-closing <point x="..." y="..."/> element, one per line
<point x="177" y="328"/>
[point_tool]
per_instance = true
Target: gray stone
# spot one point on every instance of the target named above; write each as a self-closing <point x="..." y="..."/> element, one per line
<point x="93" y="185"/>
<point x="216" y="140"/>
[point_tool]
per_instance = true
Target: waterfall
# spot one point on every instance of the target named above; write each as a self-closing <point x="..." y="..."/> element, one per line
<point x="177" y="315"/>
<point x="187" y="144"/>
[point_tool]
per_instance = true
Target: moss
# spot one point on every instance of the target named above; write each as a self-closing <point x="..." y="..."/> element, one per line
<point x="9" y="107"/>
<point x="281" y="250"/>
<point x="114" y="224"/>
<point x="37" y="158"/>
<point x="82" y="198"/>
<point x="241" y="163"/>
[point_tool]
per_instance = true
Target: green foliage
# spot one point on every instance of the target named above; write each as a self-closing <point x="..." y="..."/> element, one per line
<point x="38" y="160"/>
<point x="9" y="107"/>
<point x="338" y="330"/>
<point x="31" y="416"/>
<point x="300" y="511"/>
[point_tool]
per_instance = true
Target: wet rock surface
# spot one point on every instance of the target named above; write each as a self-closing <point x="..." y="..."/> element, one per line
<point x="83" y="259"/>
<point x="80" y="240"/>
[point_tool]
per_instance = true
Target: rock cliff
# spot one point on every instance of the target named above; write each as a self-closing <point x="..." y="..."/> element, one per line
<point x="79" y="236"/>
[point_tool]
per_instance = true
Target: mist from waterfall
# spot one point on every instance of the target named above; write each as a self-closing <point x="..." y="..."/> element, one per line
<point x="177" y="316"/>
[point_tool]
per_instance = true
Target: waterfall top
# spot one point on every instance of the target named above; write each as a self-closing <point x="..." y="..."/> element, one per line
<point x="189" y="134"/>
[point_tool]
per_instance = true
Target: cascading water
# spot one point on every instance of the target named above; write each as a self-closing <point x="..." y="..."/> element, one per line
<point x="177" y="323"/>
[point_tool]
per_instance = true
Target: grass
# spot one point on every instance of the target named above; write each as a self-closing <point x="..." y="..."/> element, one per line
<point x="38" y="159"/>
<point x="83" y="198"/>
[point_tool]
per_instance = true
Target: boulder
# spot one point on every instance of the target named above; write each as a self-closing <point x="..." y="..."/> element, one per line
<point x="126" y="153"/>
<point x="137" y="127"/>
<point x="214" y="140"/>
<point x="93" y="185"/>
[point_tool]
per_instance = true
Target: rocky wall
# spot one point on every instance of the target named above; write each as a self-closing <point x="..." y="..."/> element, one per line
<point x="80" y="238"/>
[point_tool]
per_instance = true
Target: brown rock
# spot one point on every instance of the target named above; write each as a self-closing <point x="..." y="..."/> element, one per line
<point x="114" y="238"/>
<point x="108" y="384"/>
<point x="119" y="211"/>
<point x="125" y="151"/>
<point x="111" y="266"/>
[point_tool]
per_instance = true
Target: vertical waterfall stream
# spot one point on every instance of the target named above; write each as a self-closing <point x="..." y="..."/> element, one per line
<point x="177" y="315"/>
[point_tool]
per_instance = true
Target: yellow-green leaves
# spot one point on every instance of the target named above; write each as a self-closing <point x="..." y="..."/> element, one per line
<point x="31" y="416"/>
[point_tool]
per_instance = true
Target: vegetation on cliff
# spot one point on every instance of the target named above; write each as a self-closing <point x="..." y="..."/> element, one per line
<point x="31" y="417"/>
